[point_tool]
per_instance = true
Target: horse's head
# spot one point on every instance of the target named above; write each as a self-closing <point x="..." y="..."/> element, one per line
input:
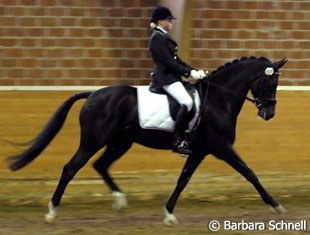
<point x="264" y="89"/>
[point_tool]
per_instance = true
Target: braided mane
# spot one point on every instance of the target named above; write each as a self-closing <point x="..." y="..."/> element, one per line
<point x="236" y="61"/>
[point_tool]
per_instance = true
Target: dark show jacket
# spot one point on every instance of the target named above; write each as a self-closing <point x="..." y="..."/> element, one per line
<point x="168" y="66"/>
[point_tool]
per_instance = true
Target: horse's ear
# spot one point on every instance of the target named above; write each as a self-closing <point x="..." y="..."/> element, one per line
<point x="277" y="65"/>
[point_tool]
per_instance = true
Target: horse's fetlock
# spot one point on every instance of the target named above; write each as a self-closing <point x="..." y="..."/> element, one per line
<point x="169" y="209"/>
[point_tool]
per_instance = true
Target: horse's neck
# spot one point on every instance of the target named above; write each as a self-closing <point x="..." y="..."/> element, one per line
<point x="225" y="100"/>
<point x="240" y="87"/>
<point x="229" y="94"/>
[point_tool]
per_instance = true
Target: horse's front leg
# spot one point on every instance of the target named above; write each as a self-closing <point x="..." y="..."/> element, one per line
<point x="189" y="168"/>
<point x="233" y="159"/>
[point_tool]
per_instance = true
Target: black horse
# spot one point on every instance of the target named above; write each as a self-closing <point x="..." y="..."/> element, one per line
<point x="109" y="118"/>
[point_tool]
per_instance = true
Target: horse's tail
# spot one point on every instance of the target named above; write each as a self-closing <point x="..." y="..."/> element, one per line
<point x="46" y="135"/>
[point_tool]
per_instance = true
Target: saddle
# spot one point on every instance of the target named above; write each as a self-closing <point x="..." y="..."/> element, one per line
<point x="174" y="106"/>
<point x="158" y="110"/>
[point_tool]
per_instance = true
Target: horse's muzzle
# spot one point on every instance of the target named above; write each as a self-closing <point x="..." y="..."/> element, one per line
<point x="266" y="114"/>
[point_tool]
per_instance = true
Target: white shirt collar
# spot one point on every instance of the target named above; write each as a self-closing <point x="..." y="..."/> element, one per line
<point x="161" y="29"/>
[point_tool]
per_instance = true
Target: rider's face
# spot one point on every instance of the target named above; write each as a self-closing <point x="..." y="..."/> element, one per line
<point x="166" y="24"/>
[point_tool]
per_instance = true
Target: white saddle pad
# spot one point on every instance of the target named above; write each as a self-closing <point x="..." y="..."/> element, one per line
<point x="154" y="110"/>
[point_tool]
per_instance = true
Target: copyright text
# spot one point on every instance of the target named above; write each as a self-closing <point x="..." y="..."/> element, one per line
<point x="272" y="225"/>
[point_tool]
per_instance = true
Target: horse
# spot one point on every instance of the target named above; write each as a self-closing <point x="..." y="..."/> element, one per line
<point x="109" y="118"/>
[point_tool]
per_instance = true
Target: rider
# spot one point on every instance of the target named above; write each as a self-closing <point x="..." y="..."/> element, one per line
<point x="167" y="73"/>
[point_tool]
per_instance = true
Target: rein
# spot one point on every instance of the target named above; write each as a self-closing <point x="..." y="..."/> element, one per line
<point x="209" y="83"/>
<point x="257" y="101"/>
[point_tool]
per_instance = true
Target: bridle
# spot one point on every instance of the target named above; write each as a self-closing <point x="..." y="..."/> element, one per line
<point x="265" y="84"/>
<point x="258" y="101"/>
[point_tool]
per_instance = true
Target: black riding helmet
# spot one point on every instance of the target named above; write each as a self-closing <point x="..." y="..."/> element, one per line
<point x="161" y="13"/>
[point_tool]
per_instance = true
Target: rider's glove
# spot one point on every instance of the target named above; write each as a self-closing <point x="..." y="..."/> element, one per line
<point x="202" y="73"/>
<point x="194" y="74"/>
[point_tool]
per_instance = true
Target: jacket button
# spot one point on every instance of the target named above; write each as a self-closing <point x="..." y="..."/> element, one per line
<point x="175" y="57"/>
<point x="176" y="48"/>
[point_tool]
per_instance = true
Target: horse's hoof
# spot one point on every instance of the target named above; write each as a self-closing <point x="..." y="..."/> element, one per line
<point x="52" y="213"/>
<point x="49" y="218"/>
<point x="170" y="219"/>
<point x="278" y="209"/>
<point x="120" y="201"/>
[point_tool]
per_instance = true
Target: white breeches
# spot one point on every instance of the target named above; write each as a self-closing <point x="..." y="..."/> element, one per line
<point x="178" y="92"/>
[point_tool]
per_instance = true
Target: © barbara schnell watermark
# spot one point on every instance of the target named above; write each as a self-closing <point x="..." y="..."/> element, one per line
<point x="272" y="225"/>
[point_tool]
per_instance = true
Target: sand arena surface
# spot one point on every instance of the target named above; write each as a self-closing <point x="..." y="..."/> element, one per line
<point x="278" y="152"/>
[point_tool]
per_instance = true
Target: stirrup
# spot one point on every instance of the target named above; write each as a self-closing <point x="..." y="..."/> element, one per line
<point x="182" y="148"/>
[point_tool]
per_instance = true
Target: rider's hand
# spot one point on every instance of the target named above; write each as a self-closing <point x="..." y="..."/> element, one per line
<point x="202" y="74"/>
<point x="194" y="74"/>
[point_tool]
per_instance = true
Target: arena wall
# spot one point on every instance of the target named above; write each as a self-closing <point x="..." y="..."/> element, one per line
<point x="95" y="43"/>
<point x="223" y="30"/>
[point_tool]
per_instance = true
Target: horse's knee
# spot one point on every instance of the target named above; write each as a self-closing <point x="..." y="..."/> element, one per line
<point x="69" y="172"/>
<point x="252" y="178"/>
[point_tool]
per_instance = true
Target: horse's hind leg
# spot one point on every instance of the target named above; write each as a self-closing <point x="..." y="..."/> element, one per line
<point x="111" y="154"/>
<point x="79" y="159"/>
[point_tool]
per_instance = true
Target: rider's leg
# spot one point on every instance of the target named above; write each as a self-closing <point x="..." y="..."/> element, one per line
<point x="178" y="92"/>
<point x="181" y="124"/>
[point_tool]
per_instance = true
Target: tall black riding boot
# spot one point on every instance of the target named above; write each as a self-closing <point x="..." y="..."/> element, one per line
<point x="181" y="124"/>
